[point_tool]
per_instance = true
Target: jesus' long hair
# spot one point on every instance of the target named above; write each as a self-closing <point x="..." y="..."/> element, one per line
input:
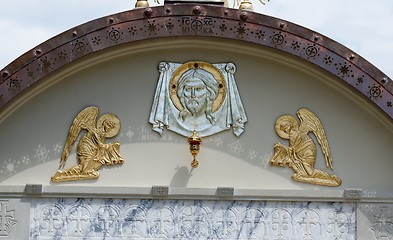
<point x="211" y="85"/>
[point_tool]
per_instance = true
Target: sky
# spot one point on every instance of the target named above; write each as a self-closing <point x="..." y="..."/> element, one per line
<point x="365" y="27"/>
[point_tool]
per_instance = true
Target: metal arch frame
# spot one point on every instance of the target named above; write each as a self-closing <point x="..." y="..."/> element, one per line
<point x="188" y="20"/>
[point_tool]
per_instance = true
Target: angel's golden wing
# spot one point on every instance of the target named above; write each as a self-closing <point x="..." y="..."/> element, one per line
<point x="85" y="119"/>
<point x="310" y="122"/>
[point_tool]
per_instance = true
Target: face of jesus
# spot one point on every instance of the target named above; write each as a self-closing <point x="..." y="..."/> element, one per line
<point x="195" y="94"/>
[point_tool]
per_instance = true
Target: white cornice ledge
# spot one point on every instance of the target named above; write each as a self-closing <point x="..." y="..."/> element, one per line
<point x="221" y="193"/>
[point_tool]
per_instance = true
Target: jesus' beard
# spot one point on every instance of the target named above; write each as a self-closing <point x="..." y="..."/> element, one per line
<point x="195" y="107"/>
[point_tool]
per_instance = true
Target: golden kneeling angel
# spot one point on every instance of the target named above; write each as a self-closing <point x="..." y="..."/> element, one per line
<point x="92" y="151"/>
<point x="301" y="153"/>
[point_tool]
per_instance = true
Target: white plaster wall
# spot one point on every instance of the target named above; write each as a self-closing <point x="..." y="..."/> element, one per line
<point x="123" y="80"/>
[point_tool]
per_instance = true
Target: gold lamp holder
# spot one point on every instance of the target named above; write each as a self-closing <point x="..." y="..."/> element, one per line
<point x="195" y="145"/>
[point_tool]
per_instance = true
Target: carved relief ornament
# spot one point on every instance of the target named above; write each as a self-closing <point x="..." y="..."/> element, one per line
<point x="301" y="153"/>
<point x="197" y="96"/>
<point x="92" y="151"/>
<point x="7" y="219"/>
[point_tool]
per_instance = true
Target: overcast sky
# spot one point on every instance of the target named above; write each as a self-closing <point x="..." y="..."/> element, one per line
<point x="366" y="27"/>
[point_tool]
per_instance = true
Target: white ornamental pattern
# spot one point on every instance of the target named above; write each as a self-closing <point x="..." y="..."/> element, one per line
<point x="7" y="219"/>
<point x="186" y="219"/>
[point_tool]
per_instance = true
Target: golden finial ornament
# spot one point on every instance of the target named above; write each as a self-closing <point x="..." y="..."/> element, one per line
<point x="141" y="4"/>
<point x="246" y="5"/>
<point x="195" y="145"/>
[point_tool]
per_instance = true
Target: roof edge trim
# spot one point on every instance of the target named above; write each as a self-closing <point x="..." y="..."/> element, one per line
<point x="185" y="20"/>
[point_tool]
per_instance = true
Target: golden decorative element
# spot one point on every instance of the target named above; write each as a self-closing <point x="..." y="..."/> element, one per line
<point x="301" y="153"/>
<point x="246" y="5"/>
<point x="218" y="76"/>
<point x="92" y="151"/>
<point x="141" y="4"/>
<point x="195" y="145"/>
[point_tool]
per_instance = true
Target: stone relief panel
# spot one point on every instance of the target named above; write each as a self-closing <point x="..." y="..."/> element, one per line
<point x="7" y="218"/>
<point x="375" y="221"/>
<point x="197" y="96"/>
<point x="190" y="219"/>
<point x="14" y="218"/>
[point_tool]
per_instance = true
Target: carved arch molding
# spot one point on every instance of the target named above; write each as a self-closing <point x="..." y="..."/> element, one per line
<point x="191" y="20"/>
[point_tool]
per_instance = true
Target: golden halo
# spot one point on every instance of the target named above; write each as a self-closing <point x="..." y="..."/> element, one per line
<point x="218" y="76"/>
<point x="109" y="117"/>
<point x="284" y="118"/>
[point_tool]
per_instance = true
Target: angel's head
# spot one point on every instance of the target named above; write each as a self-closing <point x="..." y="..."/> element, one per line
<point x="284" y="125"/>
<point x="109" y="124"/>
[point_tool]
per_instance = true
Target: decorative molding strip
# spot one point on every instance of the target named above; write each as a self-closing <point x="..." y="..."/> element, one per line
<point x="192" y="219"/>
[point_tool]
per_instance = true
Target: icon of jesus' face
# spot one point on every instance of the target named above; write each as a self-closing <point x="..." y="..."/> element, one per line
<point x="197" y="91"/>
<point x="195" y="94"/>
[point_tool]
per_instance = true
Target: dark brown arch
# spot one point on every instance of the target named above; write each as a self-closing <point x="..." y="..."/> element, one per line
<point x="188" y="20"/>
